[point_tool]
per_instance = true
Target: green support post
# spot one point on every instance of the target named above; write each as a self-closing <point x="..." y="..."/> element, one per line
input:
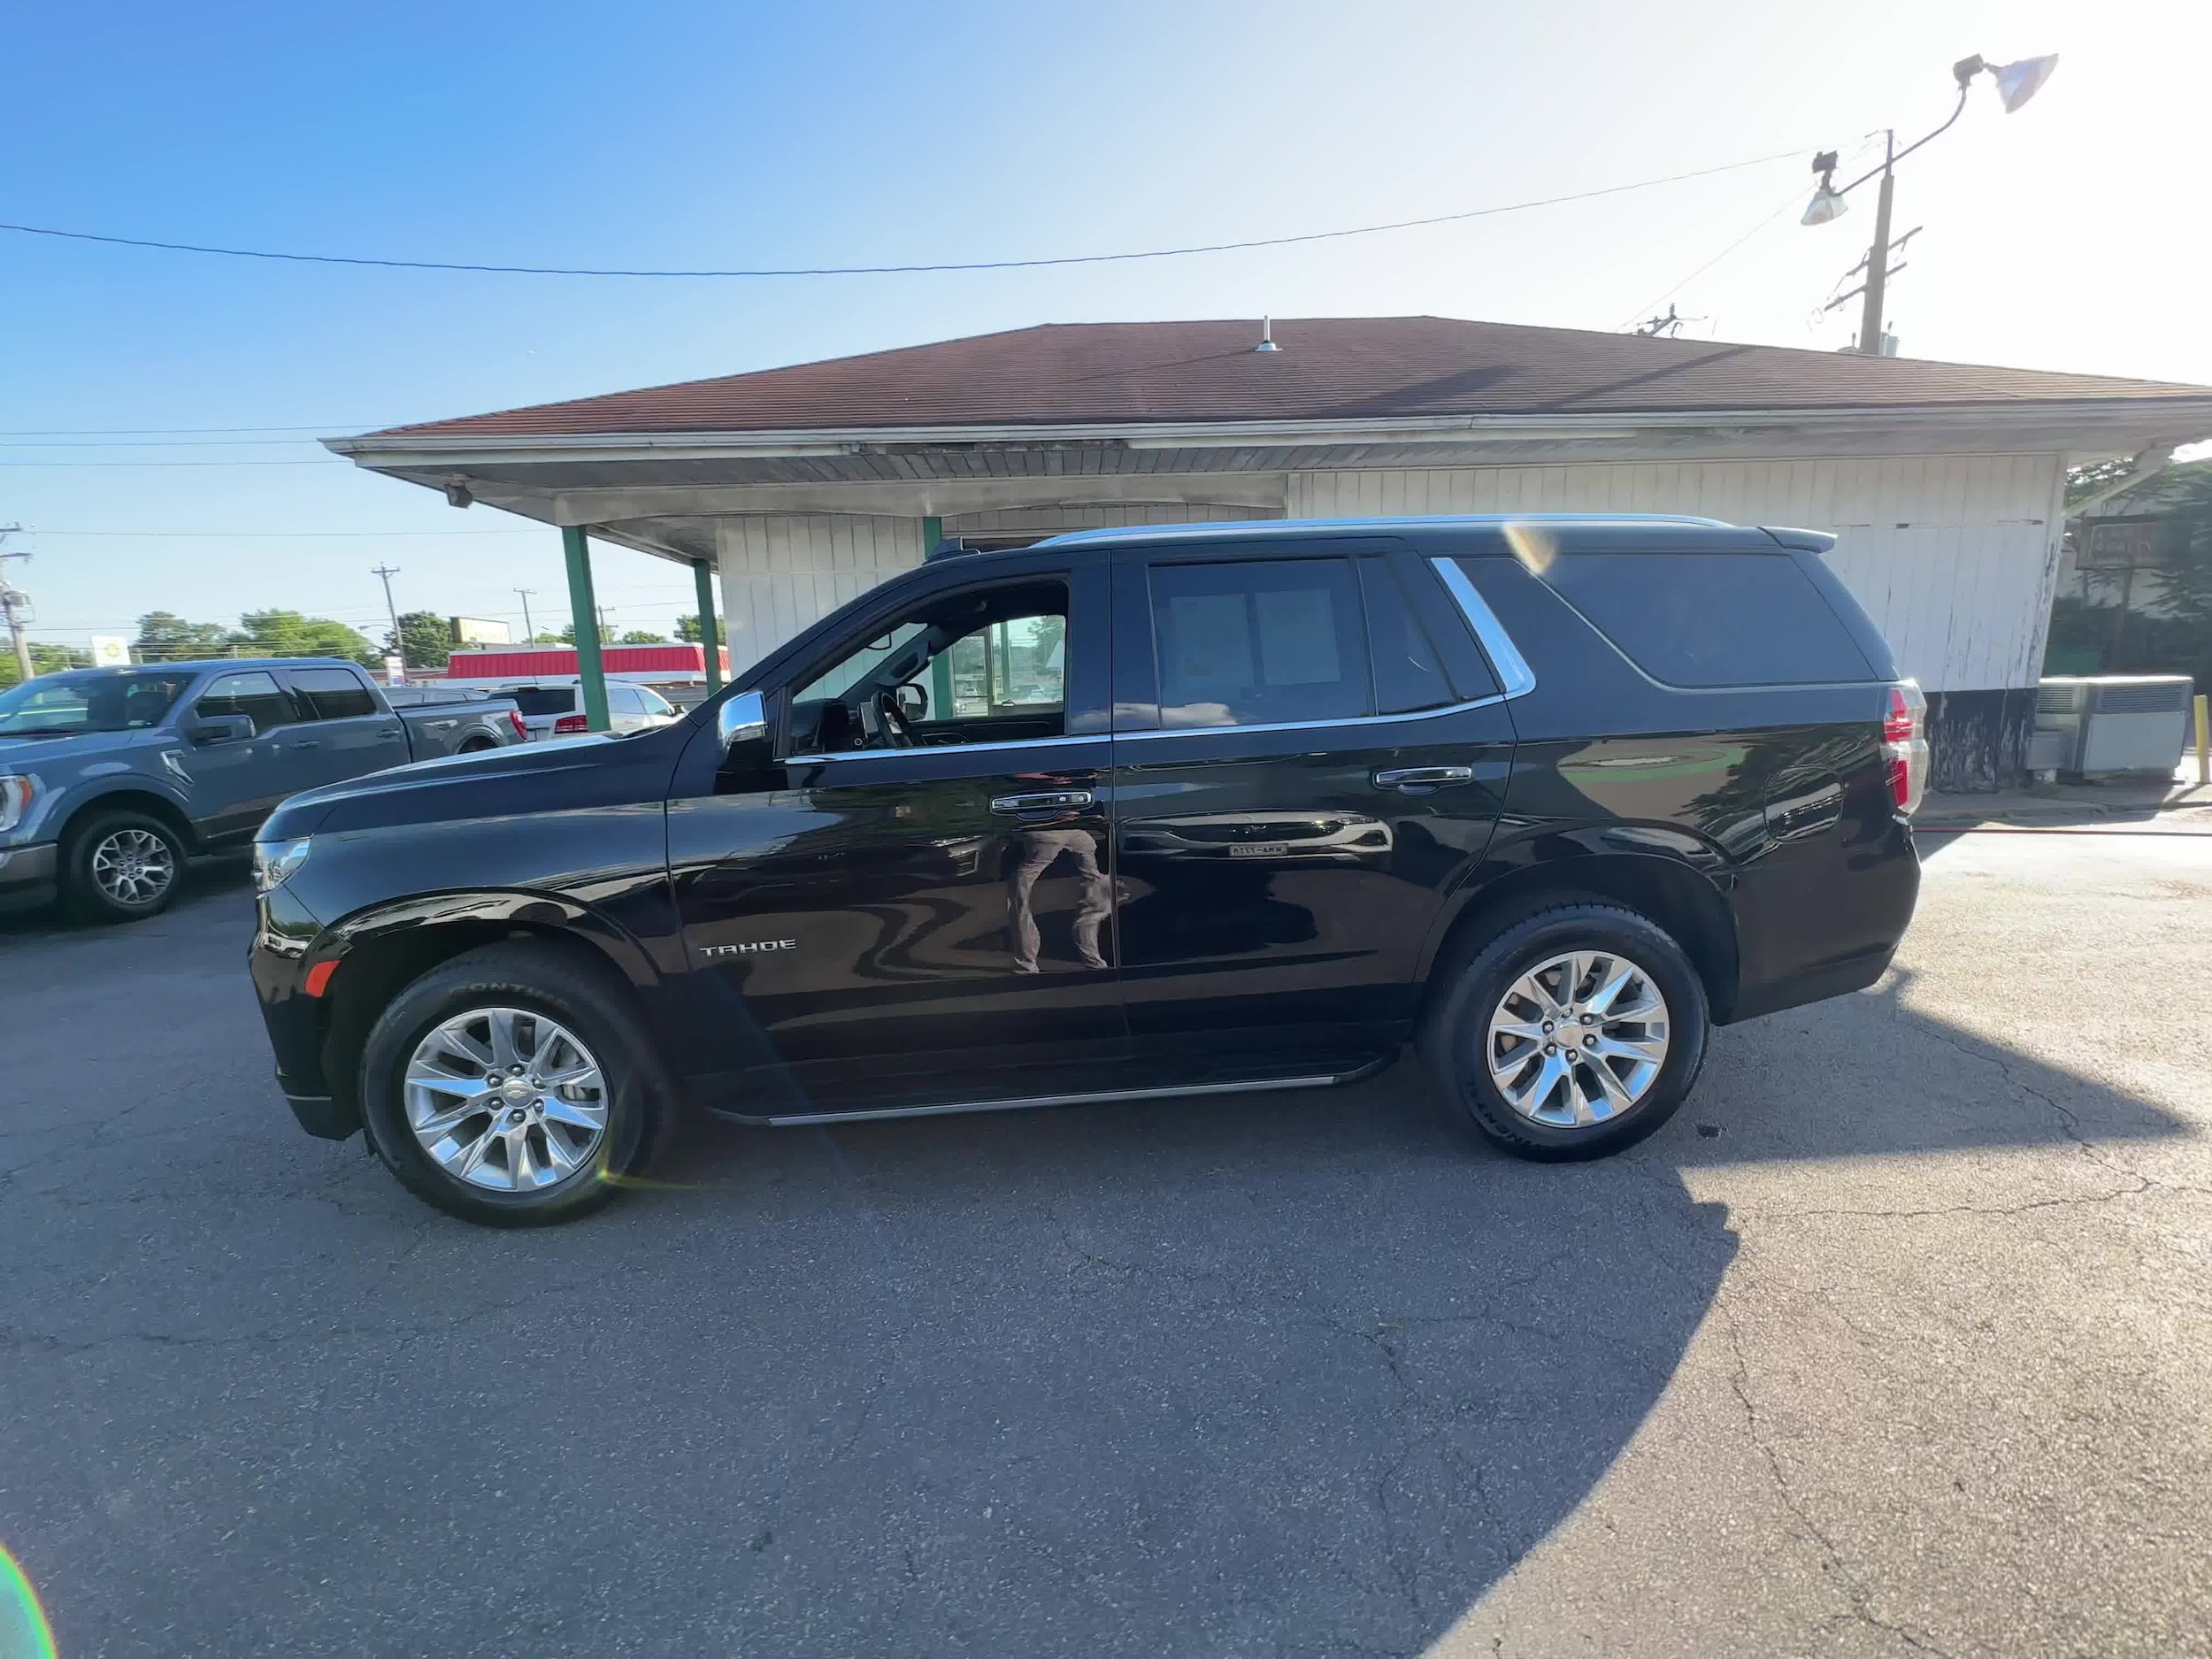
<point x="585" y="612"/>
<point x="710" y="637"/>
<point x="940" y="665"/>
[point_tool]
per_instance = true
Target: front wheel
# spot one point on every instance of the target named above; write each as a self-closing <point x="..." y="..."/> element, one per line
<point x="508" y="1088"/>
<point x="1573" y="1034"/>
<point x="122" y="867"/>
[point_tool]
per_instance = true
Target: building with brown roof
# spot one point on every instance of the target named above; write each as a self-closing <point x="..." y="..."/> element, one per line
<point x="798" y="487"/>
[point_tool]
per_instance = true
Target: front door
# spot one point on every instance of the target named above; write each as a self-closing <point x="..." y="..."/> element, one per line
<point x="1301" y="775"/>
<point x="913" y="897"/>
<point x="237" y="782"/>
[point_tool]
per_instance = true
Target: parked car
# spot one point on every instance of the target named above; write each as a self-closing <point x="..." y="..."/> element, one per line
<point x="111" y="777"/>
<point x="1549" y="798"/>
<point x="557" y="709"/>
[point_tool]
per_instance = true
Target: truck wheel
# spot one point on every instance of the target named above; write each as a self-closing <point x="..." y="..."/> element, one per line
<point x="121" y="867"/>
<point x="476" y="746"/>
<point x="508" y="1088"/>
<point x="1572" y="1035"/>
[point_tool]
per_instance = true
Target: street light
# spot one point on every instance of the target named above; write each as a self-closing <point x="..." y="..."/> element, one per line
<point x="2017" y="83"/>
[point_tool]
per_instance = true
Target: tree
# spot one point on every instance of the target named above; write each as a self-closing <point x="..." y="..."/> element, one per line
<point x="643" y="637"/>
<point x="426" y="640"/>
<point x="687" y="628"/>
<point x="166" y="637"/>
<point x="288" y="633"/>
<point x="2086" y="481"/>
<point x="45" y="659"/>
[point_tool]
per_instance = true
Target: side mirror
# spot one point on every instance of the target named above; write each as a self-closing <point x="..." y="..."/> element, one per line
<point x="741" y="719"/>
<point x="222" y="728"/>
<point x="913" y="702"/>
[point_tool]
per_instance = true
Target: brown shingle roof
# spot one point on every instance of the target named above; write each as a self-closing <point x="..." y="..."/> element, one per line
<point x="1328" y="368"/>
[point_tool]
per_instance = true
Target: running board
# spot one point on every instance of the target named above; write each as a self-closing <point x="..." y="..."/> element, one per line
<point x="1025" y="1102"/>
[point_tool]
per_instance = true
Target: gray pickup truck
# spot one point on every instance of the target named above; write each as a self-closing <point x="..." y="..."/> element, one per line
<point x="109" y="778"/>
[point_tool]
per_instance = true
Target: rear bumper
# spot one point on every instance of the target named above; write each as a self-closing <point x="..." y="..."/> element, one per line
<point x="26" y="875"/>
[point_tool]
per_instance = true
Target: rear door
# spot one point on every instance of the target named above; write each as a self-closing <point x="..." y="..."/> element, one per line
<point x="348" y="735"/>
<point x="1304" y="769"/>
<point x="897" y="898"/>
<point x="236" y="784"/>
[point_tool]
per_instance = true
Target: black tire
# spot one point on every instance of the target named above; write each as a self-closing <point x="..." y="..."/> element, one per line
<point x="535" y="980"/>
<point x="1456" y="1027"/>
<point x="93" y="886"/>
<point x="476" y="746"/>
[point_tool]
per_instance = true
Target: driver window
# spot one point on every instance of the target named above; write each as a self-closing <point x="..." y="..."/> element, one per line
<point x="256" y="696"/>
<point x="972" y="668"/>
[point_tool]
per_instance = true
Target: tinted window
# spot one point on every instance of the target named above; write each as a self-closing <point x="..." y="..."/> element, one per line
<point x="1712" y="618"/>
<point x="1260" y="642"/>
<point x="256" y="696"/>
<point x="332" y="693"/>
<point x="1409" y="674"/>
<point x="544" y="699"/>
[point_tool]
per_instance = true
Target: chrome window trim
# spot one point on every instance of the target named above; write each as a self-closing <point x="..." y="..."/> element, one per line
<point x="1311" y="726"/>
<point x="946" y="748"/>
<point x="1516" y="677"/>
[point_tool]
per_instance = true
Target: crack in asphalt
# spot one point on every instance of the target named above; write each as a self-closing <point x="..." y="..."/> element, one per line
<point x="1833" y="1558"/>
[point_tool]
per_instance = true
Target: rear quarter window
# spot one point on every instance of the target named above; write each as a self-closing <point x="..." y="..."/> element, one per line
<point x="1702" y="619"/>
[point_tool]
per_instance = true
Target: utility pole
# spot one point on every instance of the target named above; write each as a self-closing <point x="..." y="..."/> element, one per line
<point x="387" y="571"/>
<point x="14" y="600"/>
<point x="528" y="633"/>
<point x="1877" y="255"/>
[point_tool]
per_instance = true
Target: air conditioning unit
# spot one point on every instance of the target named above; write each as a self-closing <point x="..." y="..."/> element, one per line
<point x="2110" y="723"/>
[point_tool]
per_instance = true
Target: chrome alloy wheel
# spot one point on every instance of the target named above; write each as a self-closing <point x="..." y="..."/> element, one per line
<point x="134" y="866"/>
<point x="1577" y="1039"/>
<point x="506" y="1099"/>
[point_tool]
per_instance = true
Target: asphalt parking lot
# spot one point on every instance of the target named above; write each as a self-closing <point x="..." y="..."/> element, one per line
<point x="1898" y="1341"/>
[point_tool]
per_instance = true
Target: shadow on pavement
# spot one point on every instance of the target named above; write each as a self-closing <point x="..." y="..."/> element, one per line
<point x="1287" y="1374"/>
<point x="203" y="878"/>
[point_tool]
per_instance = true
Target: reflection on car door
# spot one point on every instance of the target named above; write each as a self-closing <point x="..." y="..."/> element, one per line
<point x="1303" y="773"/>
<point x="237" y="784"/>
<point x="349" y="735"/>
<point x="869" y="907"/>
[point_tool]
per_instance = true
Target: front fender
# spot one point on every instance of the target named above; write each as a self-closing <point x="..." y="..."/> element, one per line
<point x="86" y="782"/>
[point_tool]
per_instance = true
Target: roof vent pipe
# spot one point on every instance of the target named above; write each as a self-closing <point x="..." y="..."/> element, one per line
<point x="1267" y="336"/>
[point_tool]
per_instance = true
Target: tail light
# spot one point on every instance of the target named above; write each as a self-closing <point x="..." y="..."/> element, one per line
<point x="568" y="724"/>
<point x="514" y="719"/>
<point x="1905" y="745"/>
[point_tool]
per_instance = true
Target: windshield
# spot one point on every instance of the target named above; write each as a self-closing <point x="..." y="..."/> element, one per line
<point x="57" y="704"/>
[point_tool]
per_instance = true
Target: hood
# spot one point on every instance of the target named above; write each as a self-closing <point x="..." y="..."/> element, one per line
<point x="26" y="754"/>
<point x="499" y="782"/>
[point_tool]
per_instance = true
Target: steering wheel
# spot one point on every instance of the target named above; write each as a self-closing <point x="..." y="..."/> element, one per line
<point x="898" y="731"/>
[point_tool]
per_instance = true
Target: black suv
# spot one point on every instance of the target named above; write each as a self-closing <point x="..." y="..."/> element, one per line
<point x="1122" y="816"/>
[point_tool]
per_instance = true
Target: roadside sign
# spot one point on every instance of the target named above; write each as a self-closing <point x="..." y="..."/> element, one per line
<point x="395" y="670"/>
<point x="111" y="650"/>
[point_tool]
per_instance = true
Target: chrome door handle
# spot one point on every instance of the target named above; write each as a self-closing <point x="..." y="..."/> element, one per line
<point x="1423" y="776"/>
<point x="389" y="737"/>
<point x="1012" y="805"/>
<point x="309" y="742"/>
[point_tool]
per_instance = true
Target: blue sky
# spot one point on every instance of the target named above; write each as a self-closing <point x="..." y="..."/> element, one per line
<point x="672" y="134"/>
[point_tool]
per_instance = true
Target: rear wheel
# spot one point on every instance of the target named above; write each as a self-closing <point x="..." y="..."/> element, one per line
<point x="507" y="1088"/>
<point x="1572" y="1035"/>
<point x="122" y="867"/>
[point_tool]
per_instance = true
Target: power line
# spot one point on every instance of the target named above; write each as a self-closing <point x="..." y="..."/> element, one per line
<point x="893" y="270"/>
<point x="1788" y="202"/>
<point x="267" y="535"/>
<point x="332" y="461"/>
<point x="120" y="432"/>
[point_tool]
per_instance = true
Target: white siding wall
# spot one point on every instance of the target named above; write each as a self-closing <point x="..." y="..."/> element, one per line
<point x="1954" y="555"/>
<point x="782" y="570"/>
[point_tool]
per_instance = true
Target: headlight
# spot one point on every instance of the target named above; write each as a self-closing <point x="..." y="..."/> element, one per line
<point x="16" y="791"/>
<point x="276" y="863"/>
